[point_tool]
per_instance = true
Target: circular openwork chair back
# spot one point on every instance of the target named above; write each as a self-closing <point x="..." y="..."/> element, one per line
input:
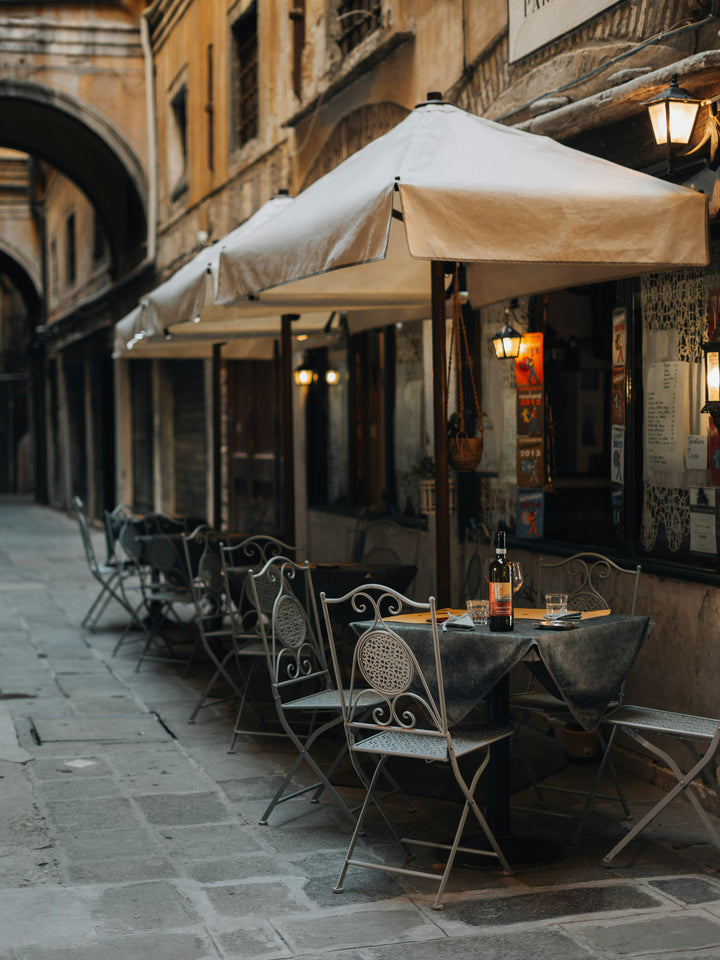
<point x="289" y="621"/>
<point x="385" y="663"/>
<point x="162" y="554"/>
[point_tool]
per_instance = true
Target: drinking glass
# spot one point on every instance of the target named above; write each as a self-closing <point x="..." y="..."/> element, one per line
<point x="555" y="604"/>
<point x="518" y="575"/>
<point x="478" y="610"/>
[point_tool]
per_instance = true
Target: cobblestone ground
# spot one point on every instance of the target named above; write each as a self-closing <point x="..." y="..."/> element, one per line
<point x="129" y="834"/>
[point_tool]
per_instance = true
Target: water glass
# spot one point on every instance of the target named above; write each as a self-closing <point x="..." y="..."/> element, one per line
<point x="478" y="610"/>
<point x="555" y="604"/>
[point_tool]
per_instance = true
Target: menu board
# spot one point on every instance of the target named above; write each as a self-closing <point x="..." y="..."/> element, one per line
<point x="666" y="403"/>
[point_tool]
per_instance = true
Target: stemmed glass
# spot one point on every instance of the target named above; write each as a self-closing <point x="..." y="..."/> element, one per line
<point x="518" y="575"/>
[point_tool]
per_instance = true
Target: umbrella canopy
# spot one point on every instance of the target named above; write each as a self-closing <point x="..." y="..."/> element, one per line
<point x="526" y="214"/>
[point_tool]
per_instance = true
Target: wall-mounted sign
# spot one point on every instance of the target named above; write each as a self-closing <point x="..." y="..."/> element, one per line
<point x="533" y="23"/>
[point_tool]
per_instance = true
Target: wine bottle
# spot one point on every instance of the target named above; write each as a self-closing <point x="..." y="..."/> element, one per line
<point x="500" y="583"/>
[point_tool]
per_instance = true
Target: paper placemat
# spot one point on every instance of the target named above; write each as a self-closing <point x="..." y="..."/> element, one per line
<point x="424" y="616"/>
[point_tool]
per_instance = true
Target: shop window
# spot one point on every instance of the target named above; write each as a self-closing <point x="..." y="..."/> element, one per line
<point x="356" y="19"/>
<point x="178" y="143"/>
<point x="70" y="251"/>
<point x="98" y="239"/>
<point x="245" y="76"/>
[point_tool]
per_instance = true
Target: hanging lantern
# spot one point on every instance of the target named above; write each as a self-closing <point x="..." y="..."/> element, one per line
<point x="672" y="115"/>
<point x="507" y="340"/>
<point x="711" y="357"/>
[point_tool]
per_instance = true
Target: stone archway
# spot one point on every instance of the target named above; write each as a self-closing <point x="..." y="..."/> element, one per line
<point x="77" y="140"/>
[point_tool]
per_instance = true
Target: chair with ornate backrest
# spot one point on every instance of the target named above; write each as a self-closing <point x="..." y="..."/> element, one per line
<point x="592" y="582"/>
<point x="411" y="721"/>
<point x="385" y="541"/>
<point x="299" y="677"/>
<point x="250" y="612"/>
<point x="213" y="616"/>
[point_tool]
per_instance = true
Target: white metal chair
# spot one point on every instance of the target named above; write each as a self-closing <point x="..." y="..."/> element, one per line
<point x="591" y="582"/>
<point x="109" y="575"/>
<point x="701" y="737"/>
<point x="213" y="616"/>
<point x="411" y="722"/>
<point x="251" y="612"/>
<point x="299" y="678"/>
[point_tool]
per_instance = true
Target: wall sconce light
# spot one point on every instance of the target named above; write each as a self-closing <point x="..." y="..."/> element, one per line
<point x="672" y="114"/>
<point x="304" y="376"/>
<point x="711" y="351"/>
<point x="507" y="340"/>
<point x="332" y="377"/>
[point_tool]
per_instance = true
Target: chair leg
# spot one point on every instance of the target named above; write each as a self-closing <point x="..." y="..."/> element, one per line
<point x="323" y="779"/>
<point x="684" y="784"/>
<point x="338" y="888"/>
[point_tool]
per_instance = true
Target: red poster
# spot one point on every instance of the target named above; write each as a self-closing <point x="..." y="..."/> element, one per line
<point x="618" y="396"/>
<point x="714" y="453"/>
<point x="529" y="362"/>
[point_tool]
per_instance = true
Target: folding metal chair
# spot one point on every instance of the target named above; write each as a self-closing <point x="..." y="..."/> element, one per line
<point x="213" y="616"/>
<point x="108" y="575"/>
<point x="587" y="579"/>
<point x="696" y="733"/>
<point x="299" y="677"/>
<point x="251" y="612"/>
<point x="168" y="599"/>
<point x="410" y="722"/>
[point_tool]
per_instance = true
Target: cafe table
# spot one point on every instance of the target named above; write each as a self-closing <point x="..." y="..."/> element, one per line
<point x="585" y="666"/>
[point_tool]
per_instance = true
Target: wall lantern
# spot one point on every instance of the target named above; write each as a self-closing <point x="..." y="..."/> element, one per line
<point x="672" y="115"/>
<point x="304" y="376"/>
<point x="507" y="340"/>
<point x="711" y="351"/>
<point x="332" y="377"/>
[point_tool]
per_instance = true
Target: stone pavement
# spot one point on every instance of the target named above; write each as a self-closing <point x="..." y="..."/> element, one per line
<point x="128" y="834"/>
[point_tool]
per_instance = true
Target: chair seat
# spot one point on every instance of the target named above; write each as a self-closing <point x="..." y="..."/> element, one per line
<point x="331" y="700"/>
<point x="664" y="721"/>
<point x="427" y="746"/>
<point x="254" y="648"/>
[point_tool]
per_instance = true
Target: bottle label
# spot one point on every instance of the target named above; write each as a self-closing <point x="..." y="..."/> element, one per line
<point x="500" y="599"/>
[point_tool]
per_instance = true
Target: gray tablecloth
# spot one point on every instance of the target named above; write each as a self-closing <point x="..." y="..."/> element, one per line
<point x="587" y="665"/>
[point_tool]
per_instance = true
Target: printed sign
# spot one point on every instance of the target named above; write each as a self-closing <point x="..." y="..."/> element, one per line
<point x="619" y="337"/>
<point x="618" y="396"/>
<point x="703" y="537"/>
<point x="529" y="362"/>
<point x="696" y="451"/>
<point x="530" y="412"/>
<point x="617" y="467"/>
<point x="533" y="23"/>
<point x="530" y="462"/>
<point x="530" y="517"/>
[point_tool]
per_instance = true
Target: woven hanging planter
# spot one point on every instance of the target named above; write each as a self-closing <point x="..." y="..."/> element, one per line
<point x="464" y="452"/>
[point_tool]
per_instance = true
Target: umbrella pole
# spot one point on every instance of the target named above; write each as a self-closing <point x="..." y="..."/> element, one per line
<point x="288" y="434"/>
<point x="443" y="578"/>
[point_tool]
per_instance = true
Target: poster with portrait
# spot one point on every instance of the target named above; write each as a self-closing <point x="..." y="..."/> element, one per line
<point x="530" y="462"/>
<point x="530" y="412"/>
<point x="529" y="362"/>
<point x="529" y="522"/>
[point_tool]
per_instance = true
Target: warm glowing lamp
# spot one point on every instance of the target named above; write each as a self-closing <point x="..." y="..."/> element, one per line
<point x="672" y="115"/>
<point x="711" y="352"/>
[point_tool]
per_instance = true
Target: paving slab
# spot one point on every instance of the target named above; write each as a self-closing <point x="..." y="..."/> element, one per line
<point x="659" y="935"/>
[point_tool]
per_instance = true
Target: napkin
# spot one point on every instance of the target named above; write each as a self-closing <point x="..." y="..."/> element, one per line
<point x="570" y="615"/>
<point x="462" y="622"/>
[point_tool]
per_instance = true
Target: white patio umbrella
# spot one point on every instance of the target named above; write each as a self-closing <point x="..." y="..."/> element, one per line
<point x="526" y="214"/>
